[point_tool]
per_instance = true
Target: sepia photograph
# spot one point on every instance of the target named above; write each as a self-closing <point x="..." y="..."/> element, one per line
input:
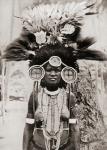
<point x="53" y="75"/>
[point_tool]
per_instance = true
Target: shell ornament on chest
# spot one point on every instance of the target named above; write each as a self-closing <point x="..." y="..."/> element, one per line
<point x="52" y="106"/>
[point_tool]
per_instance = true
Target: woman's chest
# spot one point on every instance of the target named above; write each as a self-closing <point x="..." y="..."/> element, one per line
<point x="53" y="107"/>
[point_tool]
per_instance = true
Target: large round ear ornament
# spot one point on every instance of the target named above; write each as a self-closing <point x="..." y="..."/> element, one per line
<point x="69" y="74"/>
<point x="36" y="72"/>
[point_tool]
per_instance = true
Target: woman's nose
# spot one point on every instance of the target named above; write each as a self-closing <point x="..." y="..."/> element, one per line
<point x="53" y="73"/>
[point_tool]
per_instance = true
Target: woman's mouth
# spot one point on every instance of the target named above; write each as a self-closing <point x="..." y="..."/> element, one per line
<point x="52" y="79"/>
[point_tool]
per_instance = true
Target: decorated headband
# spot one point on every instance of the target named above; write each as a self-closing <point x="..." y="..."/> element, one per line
<point x="68" y="74"/>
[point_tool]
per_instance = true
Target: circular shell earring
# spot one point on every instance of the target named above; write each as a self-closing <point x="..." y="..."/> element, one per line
<point x="69" y="74"/>
<point x="36" y="72"/>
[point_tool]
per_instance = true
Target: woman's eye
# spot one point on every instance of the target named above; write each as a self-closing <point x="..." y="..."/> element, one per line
<point x="48" y="69"/>
<point x="58" y="70"/>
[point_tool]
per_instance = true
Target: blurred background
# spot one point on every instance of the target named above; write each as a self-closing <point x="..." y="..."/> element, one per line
<point x="16" y="83"/>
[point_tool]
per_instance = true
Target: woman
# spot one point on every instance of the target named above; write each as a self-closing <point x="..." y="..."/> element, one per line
<point x="47" y="34"/>
<point x="50" y="120"/>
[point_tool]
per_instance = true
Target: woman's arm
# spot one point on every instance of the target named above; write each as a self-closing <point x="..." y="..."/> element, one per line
<point x="74" y="137"/>
<point x="30" y="123"/>
<point x="74" y="132"/>
<point x="27" y="136"/>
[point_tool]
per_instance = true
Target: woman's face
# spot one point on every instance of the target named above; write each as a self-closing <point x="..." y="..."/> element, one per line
<point x="52" y="75"/>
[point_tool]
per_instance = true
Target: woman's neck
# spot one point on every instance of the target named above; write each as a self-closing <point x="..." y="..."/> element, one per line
<point x="52" y="88"/>
<point x="51" y="93"/>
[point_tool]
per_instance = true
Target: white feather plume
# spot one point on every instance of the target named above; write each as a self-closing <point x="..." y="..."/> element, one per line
<point x="49" y="17"/>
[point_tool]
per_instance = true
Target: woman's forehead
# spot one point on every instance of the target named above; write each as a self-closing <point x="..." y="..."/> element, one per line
<point x="49" y="66"/>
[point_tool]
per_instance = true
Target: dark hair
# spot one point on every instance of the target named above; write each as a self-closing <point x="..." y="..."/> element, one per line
<point x="45" y="52"/>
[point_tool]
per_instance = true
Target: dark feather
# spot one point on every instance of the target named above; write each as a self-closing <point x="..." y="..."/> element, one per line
<point x="90" y="6"/>
<point x="91" y="13"/>
<point x="92" y="55"/>
<point x="85" y="43"/>
<point x="16" y="51"/>
<point x="19" y="49"/>
<point x="92" y="10"/>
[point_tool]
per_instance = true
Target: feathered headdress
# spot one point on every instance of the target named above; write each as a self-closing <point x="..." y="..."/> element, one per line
<point x="54" y="30"/>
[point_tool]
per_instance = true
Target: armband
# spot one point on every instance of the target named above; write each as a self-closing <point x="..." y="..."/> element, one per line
<point x="73" y="121"/>
<point x="30" y="121"/>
